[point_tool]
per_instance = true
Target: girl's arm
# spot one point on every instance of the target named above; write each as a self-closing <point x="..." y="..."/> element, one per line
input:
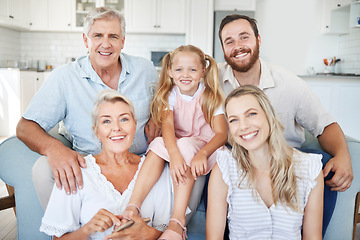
<point x="217" y="206"/>
<point x="102" y="220"/>
<point x="177" y="163"/>
<point x="199" y="162"/>
<point x="313" y="214"/>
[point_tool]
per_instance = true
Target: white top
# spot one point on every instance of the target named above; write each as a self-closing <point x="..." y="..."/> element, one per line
<point x="67" y="213"/>
<point x="292" y="98"/>
<point x="251" y="219"/>
<point x="173" y="94"/>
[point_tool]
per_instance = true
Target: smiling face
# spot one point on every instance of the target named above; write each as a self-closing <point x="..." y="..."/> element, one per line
<point x="115" y="126"/>
<point x="186" y="71"/>
<point x="248" y="124"/>
<point x="240" y="46"/>
<point x="104" y="42"/>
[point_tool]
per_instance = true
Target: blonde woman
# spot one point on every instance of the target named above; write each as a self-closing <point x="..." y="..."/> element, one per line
<point x="188" y="107"/>
<point x="263" y="188"/>
<point x="109" y="180"/>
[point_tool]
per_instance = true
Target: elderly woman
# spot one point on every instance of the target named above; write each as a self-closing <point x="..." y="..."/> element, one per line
<point x="109" y="180"/>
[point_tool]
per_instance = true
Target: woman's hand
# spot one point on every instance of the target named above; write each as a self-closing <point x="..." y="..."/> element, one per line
<point x="138" y="231"/>
<point x="178" y="169"/>
<point x="102" y="221"/>
<point x="199" y="164"/>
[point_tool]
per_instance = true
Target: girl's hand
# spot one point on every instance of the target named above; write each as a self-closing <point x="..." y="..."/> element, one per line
<point x="102" y="220"/>
<point x="199" y="164"/>
<point x="178" y="169"/>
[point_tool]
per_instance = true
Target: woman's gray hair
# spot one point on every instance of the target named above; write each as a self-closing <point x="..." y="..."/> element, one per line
<point x="109" y="95"/>
<point x="103" y="13"/>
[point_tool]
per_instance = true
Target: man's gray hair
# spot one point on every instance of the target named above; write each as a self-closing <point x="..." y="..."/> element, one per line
<point x="103" y="13"/>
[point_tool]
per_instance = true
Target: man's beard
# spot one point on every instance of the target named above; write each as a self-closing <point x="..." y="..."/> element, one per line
<point x="246" y="65"/>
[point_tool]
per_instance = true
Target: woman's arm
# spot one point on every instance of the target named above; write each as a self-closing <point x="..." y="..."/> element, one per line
<point x="177" y="163"/>
<point x="217" y="206"/>
<point x="199" y="162"/>
<point x="313" y="214"/>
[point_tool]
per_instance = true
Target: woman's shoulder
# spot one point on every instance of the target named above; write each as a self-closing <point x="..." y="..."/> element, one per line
<point x="225" y="160"/>
<point x="307" y="164"/>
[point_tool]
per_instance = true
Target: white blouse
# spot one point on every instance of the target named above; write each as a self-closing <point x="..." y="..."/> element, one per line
<point x="252" y="219"/>
<point x="67" y="213"/>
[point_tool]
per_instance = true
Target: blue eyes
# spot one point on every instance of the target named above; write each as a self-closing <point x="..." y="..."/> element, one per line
<point x="120" y="120"/>
<point x="192" y="70"/>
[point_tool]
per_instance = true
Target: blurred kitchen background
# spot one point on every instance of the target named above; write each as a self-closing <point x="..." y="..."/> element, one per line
<point x="44" y="34"/>
<point x="295" y="34"/>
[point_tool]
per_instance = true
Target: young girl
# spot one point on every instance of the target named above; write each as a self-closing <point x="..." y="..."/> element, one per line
<point x="187" y="106"/>
<point x="264" y="188"/>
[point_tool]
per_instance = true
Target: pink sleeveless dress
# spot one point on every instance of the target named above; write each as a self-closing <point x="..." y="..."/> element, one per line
<point x="191" y="130"/>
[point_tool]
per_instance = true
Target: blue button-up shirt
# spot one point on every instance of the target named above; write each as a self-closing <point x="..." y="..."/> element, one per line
<point x="70" y="91"/>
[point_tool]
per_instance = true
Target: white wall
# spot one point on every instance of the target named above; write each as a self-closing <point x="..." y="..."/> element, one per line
<point x="291" y="34"/>
<point x="9" y="45"/>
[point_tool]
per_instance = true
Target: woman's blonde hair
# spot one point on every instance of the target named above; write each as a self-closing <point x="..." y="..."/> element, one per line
<point x="212" y="97"/>
<point x="282" y="175"/>
<point x="113" y="96"/>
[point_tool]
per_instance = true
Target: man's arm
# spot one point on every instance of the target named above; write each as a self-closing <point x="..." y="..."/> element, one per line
<point x="333" y="141"/>
<point x="63" y="161"/>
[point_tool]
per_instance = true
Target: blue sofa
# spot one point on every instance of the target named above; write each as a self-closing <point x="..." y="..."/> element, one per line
<point x="16" y="162"/>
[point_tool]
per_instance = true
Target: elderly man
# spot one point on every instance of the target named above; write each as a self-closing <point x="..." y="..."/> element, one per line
<point x="68" y="95"/>
<point x="292" y="98"/>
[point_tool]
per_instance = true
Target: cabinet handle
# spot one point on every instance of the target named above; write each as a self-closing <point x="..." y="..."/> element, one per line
<point x="339" y="5"/>
<point x="11" y="16"/>
<point x="327" y="27"/>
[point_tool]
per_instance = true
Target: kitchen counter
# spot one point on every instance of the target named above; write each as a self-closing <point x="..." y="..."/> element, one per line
<point x="339" y="94"/>
<point x="329" y="76"/>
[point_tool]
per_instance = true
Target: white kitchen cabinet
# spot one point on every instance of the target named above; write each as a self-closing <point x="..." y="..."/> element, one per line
<point x="339" y="95"/>
<point x="340" y="3"/>
<point x="10" y="101"/>
<point x="50" y="15"/>
<point x="335" y="18"/>
<point x="30" y="83"/>
<point x="155" y="16"/>
<point x="201" y="25"/>
<point x="82" y="8"/>
<point x="235" y="5"/>
<point x="11" y="13"/>
<point x="17" y="88"/>
<point x="38" y="15"/>
<point x="60" y="15"/>
<point x="355" y="13"/>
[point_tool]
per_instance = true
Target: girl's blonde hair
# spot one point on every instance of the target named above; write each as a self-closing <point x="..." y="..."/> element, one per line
<point x="282" y="175"/>
<point x="212" y="97"/>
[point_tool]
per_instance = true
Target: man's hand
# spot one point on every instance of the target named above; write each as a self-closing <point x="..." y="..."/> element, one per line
<point x="138" y="231"/>
<point x="343" y="174"/>
<point x="65" y="164"/>
<point x="151" y="131"/>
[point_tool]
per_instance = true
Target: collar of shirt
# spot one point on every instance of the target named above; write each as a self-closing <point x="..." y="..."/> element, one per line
<point x="90" y="73"/>
<point x="266" y="79"/>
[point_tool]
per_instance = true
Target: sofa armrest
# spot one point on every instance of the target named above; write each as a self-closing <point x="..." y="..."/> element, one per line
<point x="341" y="223"/>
